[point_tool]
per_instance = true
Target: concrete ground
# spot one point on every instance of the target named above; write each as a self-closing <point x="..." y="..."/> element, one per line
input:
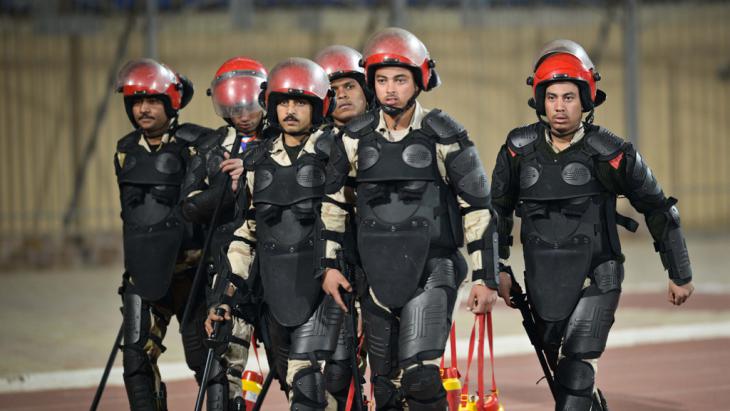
<point x="65" y="321"/>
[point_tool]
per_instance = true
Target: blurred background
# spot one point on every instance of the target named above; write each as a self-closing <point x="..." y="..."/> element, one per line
<point x="665" y="66"/>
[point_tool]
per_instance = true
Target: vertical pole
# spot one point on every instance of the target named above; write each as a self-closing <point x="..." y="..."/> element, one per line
<point x="151" y="41"/>
<point x="398" y="13"/>
<point x="631" y="70"/>
<point x="242" y="14"/>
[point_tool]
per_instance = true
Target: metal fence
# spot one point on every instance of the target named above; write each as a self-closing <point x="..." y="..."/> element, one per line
<point x="54" y="77"/>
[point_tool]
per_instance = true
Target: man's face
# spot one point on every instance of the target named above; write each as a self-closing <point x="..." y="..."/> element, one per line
<point x="246" y="121"/>
<point x="295" y="115"/>
<point x="149" y="114"/>
<point x="350" y="100"/>
<point x="563" y="107"/>
<point x="394" y="86"/>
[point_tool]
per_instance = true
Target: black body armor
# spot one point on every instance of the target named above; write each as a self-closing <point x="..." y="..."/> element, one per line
<point x="406" y="213"/>
<point x="565" y="213"/>
<point x="287" y="201"/>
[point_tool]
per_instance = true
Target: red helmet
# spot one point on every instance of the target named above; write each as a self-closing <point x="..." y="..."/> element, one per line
<point x="397" y="47"/>
<point x="341" y="61"/>
<point x="299" y="78"/>
<point x="565" y="60"/>
<point x="236" y="87"/>
<point x="147" y="77"/>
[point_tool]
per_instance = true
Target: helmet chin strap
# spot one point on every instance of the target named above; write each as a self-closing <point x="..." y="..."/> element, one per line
<point x="397" y="112"/>
<point x="588" y="120"/>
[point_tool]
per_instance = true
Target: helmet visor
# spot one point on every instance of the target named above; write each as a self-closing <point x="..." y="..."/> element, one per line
<point x="236" y="93"/>
<point x="145" y="76"/>
<point x="564" y="46"/>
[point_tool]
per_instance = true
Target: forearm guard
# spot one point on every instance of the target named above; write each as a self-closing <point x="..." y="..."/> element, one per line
<point x="672" y="248"/>
<point x="487" y="246"/>
<point x="200" y="207"/>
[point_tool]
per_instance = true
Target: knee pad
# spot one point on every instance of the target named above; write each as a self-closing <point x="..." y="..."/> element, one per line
<point x="576" y="377"/>
<point x="387" y="396"/>
<point x="308" y="390"/>
<point x="135" y="361"/>
<point x="423" y="384"/>
<point x="337" y="376"/>
<point x="568" y="402"/>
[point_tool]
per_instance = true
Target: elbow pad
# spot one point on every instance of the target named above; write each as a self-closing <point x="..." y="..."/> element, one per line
<point x="467" y="176"/>
<point x="487" y="246"/>
<point x="672" y="248"/>
<point x="338" y="167"/>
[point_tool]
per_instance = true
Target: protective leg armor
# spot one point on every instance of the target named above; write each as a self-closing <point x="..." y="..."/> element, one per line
<point x="217" y="390"/>
<point x="308" y="390"/>
<point x="319" y="334"/>
<point x="338" y="377"/>
<point x="139" y="376"/>
<point x="423" y="327"/>
<point x="387" y="396"/>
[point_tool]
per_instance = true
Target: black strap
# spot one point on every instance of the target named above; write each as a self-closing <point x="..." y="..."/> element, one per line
<point x="250" y="243"/>
<point x="332" y="236"/>
<point x="330" y="263"/>
<point x="627" y="222"/>
<point x="476" y="245"/>
<point x="467" y="210"/>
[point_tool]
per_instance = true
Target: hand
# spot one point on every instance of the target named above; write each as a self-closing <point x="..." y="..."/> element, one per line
<point x="481" y="299"/>
<point x="212" y="316"/>
<point x="678" y="294"/>
<point x="331" y="283"/>
<point x="505" y="286"/>
<point x="234" y="167"/>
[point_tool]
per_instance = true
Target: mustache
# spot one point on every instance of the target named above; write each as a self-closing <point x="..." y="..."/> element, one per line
<point x="290" y="117"/>
<point x="145" y="116"/>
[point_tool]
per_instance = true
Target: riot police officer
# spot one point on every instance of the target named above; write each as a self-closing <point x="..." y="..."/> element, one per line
<point x="561" y="175"/>
<point x="234" y="93"/>
<point x="417" y="175"/>
<point x="159" y="255"/>
<point x="286" y="180"/>
<point x="347" y="79"/>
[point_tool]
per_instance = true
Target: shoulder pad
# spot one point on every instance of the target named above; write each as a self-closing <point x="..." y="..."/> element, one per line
<point x="520" y="138"/>
<point x="191" y="132"/>
<point x="604" y="142"/>
<point x="361" y="124"/>
<point x="324" y="142"/>
<point x="255" y="154"/>
<point x="128" y="141"/>
<point x="440" y="125"/>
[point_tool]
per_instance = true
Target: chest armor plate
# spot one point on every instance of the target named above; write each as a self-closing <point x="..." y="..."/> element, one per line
<point x="403" y="207"/>
<point x="150" y="185"/>
<point x="286" y="200"/>
<point x="569" y="175"/>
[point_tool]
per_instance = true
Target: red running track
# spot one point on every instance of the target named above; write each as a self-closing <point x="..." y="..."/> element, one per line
<point x="683" y="376"/>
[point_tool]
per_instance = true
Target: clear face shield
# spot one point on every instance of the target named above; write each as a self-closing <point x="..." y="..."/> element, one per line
<point x="236" y="94"/>
<point x="564" y="46"/>
<point x="146" y="76"/>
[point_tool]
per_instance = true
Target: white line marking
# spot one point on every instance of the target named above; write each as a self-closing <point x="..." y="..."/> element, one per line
<point x="503" y="346"/>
